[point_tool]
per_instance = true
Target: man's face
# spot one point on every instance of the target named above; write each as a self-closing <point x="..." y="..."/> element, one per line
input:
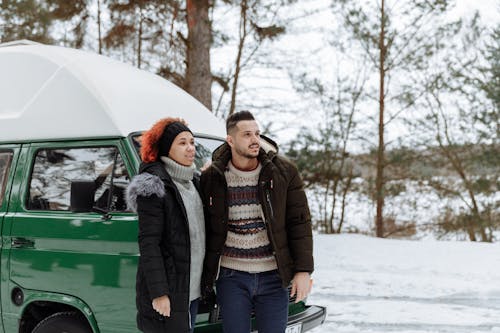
<point x="244" y="139"/>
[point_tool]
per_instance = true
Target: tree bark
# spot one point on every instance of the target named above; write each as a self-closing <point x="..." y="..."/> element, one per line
<point x="331" y="228"/>
<point x="379" y="183"/>
<point x="99" y="37"/>
<point x="344" y="199"/>
<point x="198" y="72"/>
<point x="139" y="40"/>
<point x="241" y="44"/>
<point x="457" y="165"/>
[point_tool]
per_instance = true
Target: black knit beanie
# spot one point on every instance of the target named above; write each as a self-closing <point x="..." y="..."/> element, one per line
<point x="168" y="137"/>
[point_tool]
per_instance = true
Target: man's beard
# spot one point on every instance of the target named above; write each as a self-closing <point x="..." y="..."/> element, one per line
<point x="246" y="154"/>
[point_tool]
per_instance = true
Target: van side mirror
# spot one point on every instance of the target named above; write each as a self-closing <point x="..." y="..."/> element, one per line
<point x="82" y="196"/>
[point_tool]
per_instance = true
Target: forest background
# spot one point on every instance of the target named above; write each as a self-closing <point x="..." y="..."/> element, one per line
<point x="390" y="108"/>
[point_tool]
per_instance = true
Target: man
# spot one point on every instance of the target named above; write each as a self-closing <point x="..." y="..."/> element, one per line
<point x="258" y="229"/>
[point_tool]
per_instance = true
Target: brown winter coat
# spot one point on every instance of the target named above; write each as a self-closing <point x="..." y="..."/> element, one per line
<point x="286" y="213"/>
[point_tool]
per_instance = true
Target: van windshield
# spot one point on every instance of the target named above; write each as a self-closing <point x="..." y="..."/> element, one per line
<point x="204" y="148"/>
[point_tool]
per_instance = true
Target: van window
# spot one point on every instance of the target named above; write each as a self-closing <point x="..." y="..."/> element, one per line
<point x="5" y="160"/>
<point x="54" y="170"/>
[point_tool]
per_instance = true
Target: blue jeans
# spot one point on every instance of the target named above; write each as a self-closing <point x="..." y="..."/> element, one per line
<point x="193" y="311"/>
<point x="238" y="293"/>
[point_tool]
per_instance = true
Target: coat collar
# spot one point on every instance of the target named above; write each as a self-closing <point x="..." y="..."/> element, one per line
<point x="158" y="169"/>
<point x="222" y="155"/>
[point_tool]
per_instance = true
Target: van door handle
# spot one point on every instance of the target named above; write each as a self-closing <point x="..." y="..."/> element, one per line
<point x="21" y="242"/>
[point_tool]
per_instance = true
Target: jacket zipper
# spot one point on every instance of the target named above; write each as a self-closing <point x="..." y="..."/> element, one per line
<point x="268" y="198"/>
<point x="218" y="268"/>
<point x="225" y="216"/>
<point x="269" y="208"/>
<point x="184" y="213"/>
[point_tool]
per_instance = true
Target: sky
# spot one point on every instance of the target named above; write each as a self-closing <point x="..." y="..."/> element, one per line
<point x="371" y="285"/>
<point x="268" y="90"/>
<point x="304" y="49"/>
<point x="489" y="9"/>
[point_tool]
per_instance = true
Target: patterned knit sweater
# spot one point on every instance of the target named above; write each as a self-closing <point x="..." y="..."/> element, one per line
<point x="247" y="246"/>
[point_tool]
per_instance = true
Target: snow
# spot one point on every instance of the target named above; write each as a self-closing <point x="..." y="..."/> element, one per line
<point x="418" y="203"/>
<point x="385" y="285"/>
<point x="88" y="95"/>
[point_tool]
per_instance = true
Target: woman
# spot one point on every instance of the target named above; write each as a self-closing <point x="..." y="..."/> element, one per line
<point x="171" y="237"/>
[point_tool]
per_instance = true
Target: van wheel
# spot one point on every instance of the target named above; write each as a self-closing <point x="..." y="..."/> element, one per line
<point x="62" y="322"/>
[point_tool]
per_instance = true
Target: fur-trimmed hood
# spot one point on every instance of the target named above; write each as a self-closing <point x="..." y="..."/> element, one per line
<point x="144" y="184"/>
<point x="150" y="181"/>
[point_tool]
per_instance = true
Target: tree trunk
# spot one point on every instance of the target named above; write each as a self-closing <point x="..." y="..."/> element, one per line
<point x="325" y="210"/>
<point x="379" y="184"/>
<point x="457" y="165"/>
<point x="331" y="228"/>
<point x="241" y="44"/>
<point x="99" y="37"/>
<point x="326" y="169"/>
<point x="198" y="73"/>
<point x="139" y="40"/>
<point x="344" y="199"/>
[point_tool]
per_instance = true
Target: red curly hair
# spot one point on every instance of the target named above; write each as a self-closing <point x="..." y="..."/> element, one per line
<point x="150" y="138"/>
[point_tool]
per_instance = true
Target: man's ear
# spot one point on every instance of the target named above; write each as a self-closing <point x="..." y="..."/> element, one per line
<point x="229" y="140"/>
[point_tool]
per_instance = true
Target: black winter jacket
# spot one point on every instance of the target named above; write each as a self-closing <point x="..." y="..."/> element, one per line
<point x="164" y="247"/>
<point x="285" y="208"/>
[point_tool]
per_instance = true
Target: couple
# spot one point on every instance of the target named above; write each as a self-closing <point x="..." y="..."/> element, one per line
<point x="244" y="226"/>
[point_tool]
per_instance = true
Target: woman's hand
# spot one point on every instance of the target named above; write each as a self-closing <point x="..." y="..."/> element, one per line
<point x="162" y="305"/>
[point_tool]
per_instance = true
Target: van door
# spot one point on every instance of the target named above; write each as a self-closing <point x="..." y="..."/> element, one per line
<point x="8" y="156"/>
<point x="62" y="248"/>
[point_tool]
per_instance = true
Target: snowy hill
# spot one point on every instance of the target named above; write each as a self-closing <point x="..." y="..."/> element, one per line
<point x="382" y="285"/>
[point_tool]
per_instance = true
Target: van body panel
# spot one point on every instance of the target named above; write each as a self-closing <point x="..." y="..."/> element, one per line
<point x="81" y="254"/>
<point x="31" y="296"/>
<point x="6" y="188"/>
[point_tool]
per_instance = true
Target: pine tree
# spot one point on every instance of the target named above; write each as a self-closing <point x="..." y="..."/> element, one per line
<point x="259" y="23"/>
<point x="462" y="107"/>
<point x="27" y="19"/>
<point x="198" y="73"/>
<point x="399" y="38"/>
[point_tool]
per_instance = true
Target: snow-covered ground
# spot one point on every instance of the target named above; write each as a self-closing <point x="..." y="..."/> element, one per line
<point x="372" y="285"/>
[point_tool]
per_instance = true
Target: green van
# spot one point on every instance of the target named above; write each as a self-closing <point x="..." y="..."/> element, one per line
<point x="70" y="126"/>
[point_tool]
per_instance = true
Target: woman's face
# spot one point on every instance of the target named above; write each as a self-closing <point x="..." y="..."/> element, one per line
<point x="182" y="150"/>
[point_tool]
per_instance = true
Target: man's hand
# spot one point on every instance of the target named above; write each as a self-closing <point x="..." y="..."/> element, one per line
<point x="206" y="165"/>
<point x="301" y="285"/>
<point x="162" y="305"/>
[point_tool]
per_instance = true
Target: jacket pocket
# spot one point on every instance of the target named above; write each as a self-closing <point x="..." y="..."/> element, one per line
<point x="179" y="302"/>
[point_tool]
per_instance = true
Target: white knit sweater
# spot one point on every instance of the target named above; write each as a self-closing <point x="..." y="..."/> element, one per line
<point x="247" y="246"/>
<point x="182" y="177"/>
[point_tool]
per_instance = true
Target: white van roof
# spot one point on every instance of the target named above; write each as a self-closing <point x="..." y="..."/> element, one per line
<point x="50" y="92"/>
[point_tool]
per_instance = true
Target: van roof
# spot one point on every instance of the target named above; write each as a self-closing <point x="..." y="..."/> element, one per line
<point x="50" y="92"/>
